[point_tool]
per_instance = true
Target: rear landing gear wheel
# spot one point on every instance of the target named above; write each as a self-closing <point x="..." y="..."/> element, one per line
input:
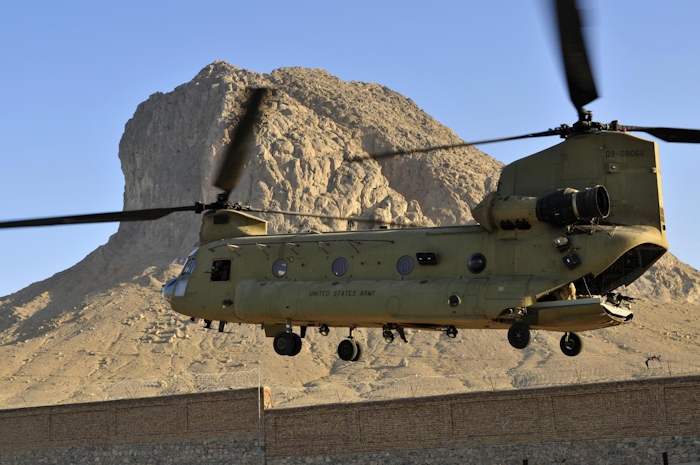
<point x="284" y="343"/>
<point x="571" y="344"/>
<point x="451" y="332"/>
<point x="519" y="335"/>
<point x="348" y="350"/>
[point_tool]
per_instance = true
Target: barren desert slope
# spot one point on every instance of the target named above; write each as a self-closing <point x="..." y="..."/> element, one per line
<point x="100" y="330"/>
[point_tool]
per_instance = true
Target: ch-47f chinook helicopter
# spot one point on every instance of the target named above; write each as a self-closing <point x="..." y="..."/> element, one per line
<point x="566" y="228"/>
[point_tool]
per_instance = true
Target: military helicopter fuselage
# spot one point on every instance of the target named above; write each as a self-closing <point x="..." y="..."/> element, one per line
<point x="566" y="227"/>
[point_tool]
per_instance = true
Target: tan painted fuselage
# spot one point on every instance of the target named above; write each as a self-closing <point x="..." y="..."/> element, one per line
<point x="421" y="277"/>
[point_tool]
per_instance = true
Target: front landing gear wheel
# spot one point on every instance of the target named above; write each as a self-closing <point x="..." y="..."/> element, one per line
<point x="359" y="352"/>
<point x="297" y="345"/>
<point x="284" y="343"/>
<point x="571" y="344"/>
<point x="348" y="350"/>
<point x="519" y="335"/>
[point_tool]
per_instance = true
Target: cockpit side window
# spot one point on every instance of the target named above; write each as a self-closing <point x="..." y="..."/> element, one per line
<point x="221" y="270"/>
<point x="189" y="267"/>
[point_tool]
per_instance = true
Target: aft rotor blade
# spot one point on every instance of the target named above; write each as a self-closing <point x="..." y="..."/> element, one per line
<point x="577" y="67"/>
<point x="393" y="153"/>
<point x="239" y="149"/>
<point x="691" y="136"/>
<point x="360" y="219"/>
<point x="129" y="215"/>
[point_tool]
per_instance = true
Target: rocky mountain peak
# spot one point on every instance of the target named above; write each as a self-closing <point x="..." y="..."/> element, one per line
<point x="315" y="126"/>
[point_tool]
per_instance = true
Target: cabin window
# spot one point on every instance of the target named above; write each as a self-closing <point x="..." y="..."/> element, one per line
<point x="476" y="263"/>
<point x="221" y="270"/>
<point x="340" y="266"/>
<point x="405" y="265"/>
<point x="279" y="268"/>
<point x="188" y="268"/>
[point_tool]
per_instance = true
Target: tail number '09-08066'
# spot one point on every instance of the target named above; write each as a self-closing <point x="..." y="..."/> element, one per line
<point x="624" y="153"/>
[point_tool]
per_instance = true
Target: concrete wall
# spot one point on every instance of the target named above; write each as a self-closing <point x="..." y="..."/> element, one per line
<point x="616" y="423"/>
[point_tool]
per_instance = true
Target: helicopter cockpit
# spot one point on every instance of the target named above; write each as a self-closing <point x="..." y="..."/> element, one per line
<point x="178" y="285"/>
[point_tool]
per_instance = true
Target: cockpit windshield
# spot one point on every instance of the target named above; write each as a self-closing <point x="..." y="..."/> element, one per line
<point x="189" y="266"/>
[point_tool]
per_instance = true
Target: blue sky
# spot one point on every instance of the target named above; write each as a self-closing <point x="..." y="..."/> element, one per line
<point x="73" y="73"/>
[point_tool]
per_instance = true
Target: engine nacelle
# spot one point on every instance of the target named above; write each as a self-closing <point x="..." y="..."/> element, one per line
<point x="569" y="206"/>
<point x="563" y="207"/>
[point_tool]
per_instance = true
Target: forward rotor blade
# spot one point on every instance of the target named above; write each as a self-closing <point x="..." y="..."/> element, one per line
<point x="360" y="219"/>
<point x="579" y="76"/>
<point x="691" y="136"/>
<point x="130" y="215"/>
<point x="239" y="149"/>
<point x="393" y="153"/>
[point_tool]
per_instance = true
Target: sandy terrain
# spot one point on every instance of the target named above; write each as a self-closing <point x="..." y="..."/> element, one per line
<point x="124" y="342"/>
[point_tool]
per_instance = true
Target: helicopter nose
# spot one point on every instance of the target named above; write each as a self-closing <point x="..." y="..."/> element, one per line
<point x="168" y="290"/>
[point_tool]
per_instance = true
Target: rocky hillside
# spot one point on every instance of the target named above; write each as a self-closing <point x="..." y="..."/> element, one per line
<point x="102" y="321"/>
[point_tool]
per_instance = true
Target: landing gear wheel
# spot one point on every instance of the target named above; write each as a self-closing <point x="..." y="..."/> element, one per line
<point x="359" y="352"/>
<point x="284" y="343"/>
<point x="451" y="332"/>
<point x="571" y="344"/>
<point x="297" y="344"/>
<point x="519" y="335"/>
<point x="347" y="350"/>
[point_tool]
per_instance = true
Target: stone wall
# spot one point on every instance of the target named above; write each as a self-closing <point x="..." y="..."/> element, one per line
<point x="611" y="423"/>
<point x="632" y="451"/>
<point x="243" y="451"/>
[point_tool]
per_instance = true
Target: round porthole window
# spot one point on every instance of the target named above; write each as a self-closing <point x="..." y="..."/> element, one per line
<point x="279" y="268"/>
<point x="476" y="263"/>
<point x="340" y="266"/>
<point x="405" y="265"/>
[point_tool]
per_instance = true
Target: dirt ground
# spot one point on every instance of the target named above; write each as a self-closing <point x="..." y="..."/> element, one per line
<point x="123" y="341"/>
